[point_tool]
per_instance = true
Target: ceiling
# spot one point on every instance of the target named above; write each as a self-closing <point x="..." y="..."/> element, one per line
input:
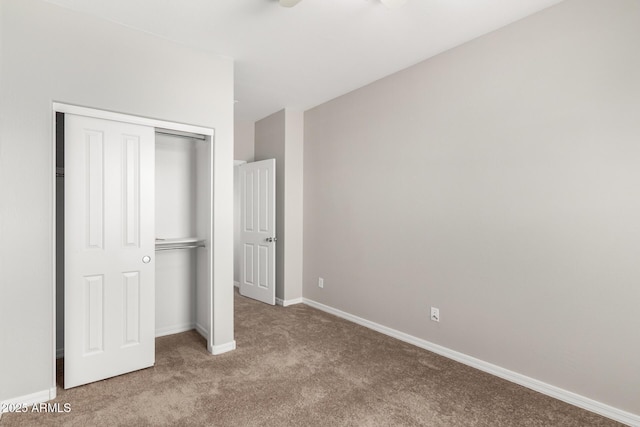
<point x="303" y="56"/>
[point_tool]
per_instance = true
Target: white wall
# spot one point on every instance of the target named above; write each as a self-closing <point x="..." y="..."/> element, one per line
<point x="176" y="210"/>
<point x="498" y="182"/>
<point x="52" y="54"/>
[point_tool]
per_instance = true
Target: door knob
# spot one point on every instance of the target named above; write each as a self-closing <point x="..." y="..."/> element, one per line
<point x="272" y="239"/>
<point x="146" y="259"/>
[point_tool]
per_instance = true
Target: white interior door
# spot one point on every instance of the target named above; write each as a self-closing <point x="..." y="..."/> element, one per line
<point x="109" y="249"/>
<point x="258" y="230"/>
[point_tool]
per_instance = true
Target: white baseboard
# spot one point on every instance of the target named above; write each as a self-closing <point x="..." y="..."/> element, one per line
<point x="539" y="386"/>
<point x="29" y="399"/>
<point x="279" y="301"/>
<point x="222" y="348"/>
<point x="174" y="329"/>
<point x="202" y="330"/>
<point x="287" y="303"/>
<point x="216" y="349"/>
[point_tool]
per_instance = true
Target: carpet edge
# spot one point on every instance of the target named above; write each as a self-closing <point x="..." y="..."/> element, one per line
<point x="566" y="396"/>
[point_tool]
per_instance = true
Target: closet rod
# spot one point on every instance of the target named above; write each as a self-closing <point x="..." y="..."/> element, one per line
<point x="171" y="248"/>
<point x="180" y="134"/>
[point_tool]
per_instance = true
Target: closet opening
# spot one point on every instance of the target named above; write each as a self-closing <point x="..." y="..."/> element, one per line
<point x="182" y="222"/>
<point x="182" y="283"/>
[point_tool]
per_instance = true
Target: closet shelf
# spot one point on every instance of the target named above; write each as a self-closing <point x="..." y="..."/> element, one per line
<point x="178" y="243"/>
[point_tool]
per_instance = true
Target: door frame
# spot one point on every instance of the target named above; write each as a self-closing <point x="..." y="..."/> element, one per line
<point x="209" y="134"/>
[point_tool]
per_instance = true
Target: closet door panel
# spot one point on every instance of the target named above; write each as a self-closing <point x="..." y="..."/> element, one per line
<point x="264" y="208"/>
<point x="94" y="176"/>
<point x="131" y="196"/>
<point x="131" y="294"/>
<point x="109" y="249"/>
<point x="247" y="183"/>
<point x="263" y="266"/>
<point x="94" y="313"/>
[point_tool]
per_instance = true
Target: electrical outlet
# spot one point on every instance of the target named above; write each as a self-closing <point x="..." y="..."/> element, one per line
<point x="435" y="314"/>
<point x="320" y="282"/>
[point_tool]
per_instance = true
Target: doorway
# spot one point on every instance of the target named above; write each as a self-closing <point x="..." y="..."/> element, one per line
<point x="257" y="232"/>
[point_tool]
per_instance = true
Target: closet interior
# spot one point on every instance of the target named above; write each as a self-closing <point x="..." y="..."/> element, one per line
<point x="183" y="225"/>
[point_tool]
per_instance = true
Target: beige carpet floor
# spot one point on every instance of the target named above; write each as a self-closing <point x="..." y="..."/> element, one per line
<point x="297" y="366"/>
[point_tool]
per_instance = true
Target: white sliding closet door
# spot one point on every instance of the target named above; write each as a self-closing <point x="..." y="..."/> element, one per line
<point x="258" y="230"/>
<point x="109" y="249"/>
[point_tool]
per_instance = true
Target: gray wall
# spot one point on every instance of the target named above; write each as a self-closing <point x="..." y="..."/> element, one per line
<point x="243" y="143"/>
<point x="498" y="182"/>
<point x="269" y="144"/>
<point x="243" y="140"/>
<point x="237" y="246"/>
<point x="293" y="204"/>
<point x="52" y="54"/>
<point x="280" y="136"/>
